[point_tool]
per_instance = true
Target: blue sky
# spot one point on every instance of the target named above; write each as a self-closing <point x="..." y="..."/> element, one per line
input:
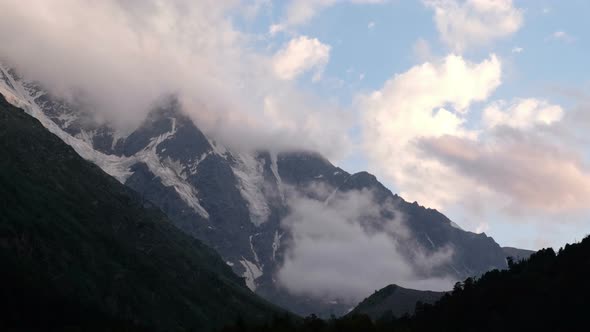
<point x="543" y="58"/>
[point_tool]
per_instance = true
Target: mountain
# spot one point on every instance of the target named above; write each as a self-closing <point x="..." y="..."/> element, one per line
<point x="234" y="201"/>
<point x="80" y="251"/>
<point x="549" y="291"/>
<point x="394" y="300"/>
<point x="516" y="253"/>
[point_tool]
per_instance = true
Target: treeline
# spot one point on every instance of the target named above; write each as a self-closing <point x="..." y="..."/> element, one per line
<point x="351" y="323"/>
<point x="549" y="291"/>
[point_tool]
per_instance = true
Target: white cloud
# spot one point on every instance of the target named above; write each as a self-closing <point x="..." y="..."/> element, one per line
<point x="299" y="12"/>
<point x="464" y="24"/>
<point x="520" y="159"/>
<point x="562" y="36"/>
<point x="345" y="248"/>
<point x="371" y="25"/>
<point x="517" y="49"/>
<point x="121" y="56"/>
<point x="521" y="113"/>
<point x="301" y="54"/>
<point x="428" y="100"/>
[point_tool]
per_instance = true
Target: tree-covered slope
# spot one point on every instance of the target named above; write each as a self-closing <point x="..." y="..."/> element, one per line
<point x="79" y="249"/>
<point x="547" y="292"/>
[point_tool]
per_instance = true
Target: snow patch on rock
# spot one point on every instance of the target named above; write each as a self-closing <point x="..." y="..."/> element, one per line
<point x="251" y="273"/>
<point x="250" y="174"/>
<point x="276" y="244"/>
<point x="118" y="167"/>
<point x="275" y="171"/>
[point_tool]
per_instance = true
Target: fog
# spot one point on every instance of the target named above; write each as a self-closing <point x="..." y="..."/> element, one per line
<point x="119" y="57"/>
<point x="349" y="246"/>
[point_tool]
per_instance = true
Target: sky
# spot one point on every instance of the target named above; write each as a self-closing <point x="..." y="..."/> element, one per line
<point x="478" y="108"/>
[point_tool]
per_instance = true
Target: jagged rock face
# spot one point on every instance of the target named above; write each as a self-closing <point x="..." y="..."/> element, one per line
<point x="235" y="201"/>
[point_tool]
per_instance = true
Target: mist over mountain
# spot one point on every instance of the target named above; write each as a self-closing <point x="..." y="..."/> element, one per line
<point x="545" y="292"/>
<point x="304" y="233"/>
<point x="294" y="165"/>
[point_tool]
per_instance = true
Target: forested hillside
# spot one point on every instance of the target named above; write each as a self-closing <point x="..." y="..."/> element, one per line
<point x="80" y="251"/>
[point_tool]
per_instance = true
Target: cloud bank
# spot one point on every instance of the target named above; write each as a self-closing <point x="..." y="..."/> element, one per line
<point x="429" y="100"/>
<point x="121" y="56"/>
<point x="427" y="131"/>
<point x="348" y="246"/>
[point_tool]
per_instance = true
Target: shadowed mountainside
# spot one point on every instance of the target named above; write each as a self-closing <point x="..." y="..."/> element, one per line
<point x="80" y="250"/>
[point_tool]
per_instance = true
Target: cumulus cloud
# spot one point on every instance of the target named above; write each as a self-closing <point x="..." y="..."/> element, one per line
<point x="348" y="246"/>
<point x="464" y="24"/>
<point x="121" y="56"/>
<point x="511" y="157"/>
<point x="428" y="100"/>
<point x="301" y="54"/>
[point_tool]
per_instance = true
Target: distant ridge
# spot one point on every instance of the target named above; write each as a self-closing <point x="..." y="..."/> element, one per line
<point x="394" y="300"/>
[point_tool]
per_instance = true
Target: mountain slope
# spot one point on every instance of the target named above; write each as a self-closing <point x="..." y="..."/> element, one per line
<point x="549" y="291"/>
<point x="235" y="201"/>
<point x="78" y="248"/>
<point x="517" y="253"/>
<point x="394" y="300"/>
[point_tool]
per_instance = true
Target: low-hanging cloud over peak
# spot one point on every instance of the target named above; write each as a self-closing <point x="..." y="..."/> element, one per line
<point x="122" y="56"/>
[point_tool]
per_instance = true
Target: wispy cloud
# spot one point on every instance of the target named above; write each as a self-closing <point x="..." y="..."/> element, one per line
<point x="299" y="12"/>
<point x="517" y="49"/>
<point x="465" y="24"/>
<point x="561" y="35"/>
